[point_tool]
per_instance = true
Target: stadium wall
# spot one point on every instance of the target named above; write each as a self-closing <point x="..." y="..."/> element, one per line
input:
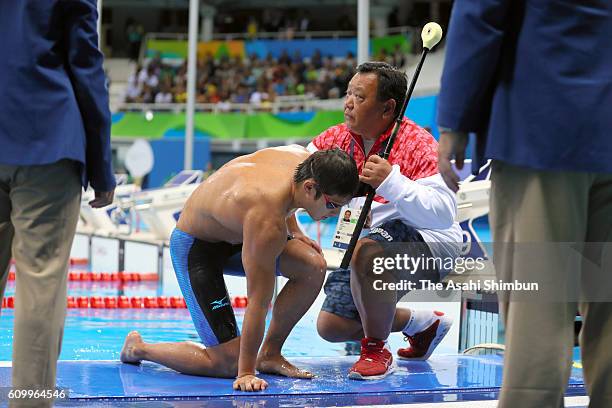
<point x="336" y="47"/>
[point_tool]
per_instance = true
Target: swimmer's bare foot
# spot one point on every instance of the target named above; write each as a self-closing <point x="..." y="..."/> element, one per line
<point x="131" y="348"/>
<point x="278" y="365"/>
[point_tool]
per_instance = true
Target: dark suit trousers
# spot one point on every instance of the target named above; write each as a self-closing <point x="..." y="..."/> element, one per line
<point x="565" y="220"/>
<point x="39" y="209"/>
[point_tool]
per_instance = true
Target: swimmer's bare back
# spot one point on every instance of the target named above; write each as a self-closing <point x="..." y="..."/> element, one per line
<point x="258" y="182"/>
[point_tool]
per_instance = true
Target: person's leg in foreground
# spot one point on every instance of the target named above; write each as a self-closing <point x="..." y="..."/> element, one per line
<point x="45" y="204"/>
<point x="6" y="237"/>
<point x="548" y="208"/>
<point x="596" y="306"/>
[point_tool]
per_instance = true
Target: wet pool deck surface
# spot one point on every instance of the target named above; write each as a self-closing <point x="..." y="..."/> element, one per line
<point x="441" y="378"/>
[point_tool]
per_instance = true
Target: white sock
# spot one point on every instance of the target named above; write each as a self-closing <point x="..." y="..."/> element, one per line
<point x="419" y="321"/>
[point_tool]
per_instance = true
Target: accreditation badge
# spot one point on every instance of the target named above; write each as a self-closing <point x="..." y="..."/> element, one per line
<point x="347" y="221"/>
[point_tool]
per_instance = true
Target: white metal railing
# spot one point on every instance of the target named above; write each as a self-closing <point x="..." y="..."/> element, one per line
<point x="290" y="104"/>
<point x="286" y="103"/>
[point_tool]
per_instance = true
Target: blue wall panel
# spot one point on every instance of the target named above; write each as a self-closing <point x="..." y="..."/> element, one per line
<point x="169" y="157"/>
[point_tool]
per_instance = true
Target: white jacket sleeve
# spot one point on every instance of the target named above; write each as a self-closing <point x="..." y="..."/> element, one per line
<point x="311" y="147"/>
<point x="425" y="203"/>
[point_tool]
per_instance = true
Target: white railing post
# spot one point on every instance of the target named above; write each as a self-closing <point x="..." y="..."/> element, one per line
<point x="191" y="81"/>
<point x="363" y="31"/>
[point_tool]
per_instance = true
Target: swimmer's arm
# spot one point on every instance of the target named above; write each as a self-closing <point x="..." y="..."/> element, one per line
<point x="263" y="241"/>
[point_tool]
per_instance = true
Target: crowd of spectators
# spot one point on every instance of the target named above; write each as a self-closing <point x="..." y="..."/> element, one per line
<point x="251" y="80"/>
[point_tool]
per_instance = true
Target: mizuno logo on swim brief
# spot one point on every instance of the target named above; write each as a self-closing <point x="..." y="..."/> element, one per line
<point x="216" y="304"/>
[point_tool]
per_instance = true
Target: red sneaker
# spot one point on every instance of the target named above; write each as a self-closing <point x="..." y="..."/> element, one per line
<point x="375" y="362"/>
<point x="422" y="344"/>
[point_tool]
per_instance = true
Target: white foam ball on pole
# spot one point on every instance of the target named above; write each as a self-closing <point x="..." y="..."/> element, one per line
<point x="431" y="35"/>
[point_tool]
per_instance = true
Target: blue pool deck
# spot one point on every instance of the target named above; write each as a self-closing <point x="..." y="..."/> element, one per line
<point x="89" y="368"/>
<point x="443" y="378"/>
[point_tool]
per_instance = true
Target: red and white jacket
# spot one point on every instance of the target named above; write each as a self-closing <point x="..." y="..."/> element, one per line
<point x="414" y="190"/>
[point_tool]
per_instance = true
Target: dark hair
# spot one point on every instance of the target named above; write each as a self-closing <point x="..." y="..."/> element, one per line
<point x="392" y="83"/>
<point x="333" y="170"/>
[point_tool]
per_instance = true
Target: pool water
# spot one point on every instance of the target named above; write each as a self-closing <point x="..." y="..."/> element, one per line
<point x="97" y="334"/>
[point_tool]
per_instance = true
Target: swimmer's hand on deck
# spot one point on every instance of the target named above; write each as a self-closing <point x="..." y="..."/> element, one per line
<point x="250" y="383"/>
<point x="301" y="237"/>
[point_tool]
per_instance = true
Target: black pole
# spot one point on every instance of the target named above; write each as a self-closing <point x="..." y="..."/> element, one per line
<point x="346" y="260"/>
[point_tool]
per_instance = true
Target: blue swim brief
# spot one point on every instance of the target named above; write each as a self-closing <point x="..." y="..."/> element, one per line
<point x="199" y="268"/>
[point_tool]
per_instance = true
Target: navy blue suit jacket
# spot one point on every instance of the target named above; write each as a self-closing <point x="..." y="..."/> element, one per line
<point x="533" y="78"/>
<point x="53" y="93"/>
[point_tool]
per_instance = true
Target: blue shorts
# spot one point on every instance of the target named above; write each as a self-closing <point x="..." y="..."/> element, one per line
<point x="339" y="299"/>
<point x="199" y="268"/>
